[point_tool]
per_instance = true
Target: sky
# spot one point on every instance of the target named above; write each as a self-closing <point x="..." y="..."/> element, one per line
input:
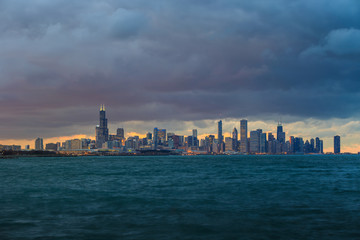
<point x="180" y="64"/>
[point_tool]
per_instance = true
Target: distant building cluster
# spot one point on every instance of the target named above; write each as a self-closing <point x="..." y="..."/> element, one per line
<point x="10" y="147"/>
<point x="69" y="145"/>
<point x="242" y="142"/>
<point x="259" y="142"/>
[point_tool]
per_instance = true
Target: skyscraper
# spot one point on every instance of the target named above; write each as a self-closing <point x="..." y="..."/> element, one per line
<point x="39" y="145"/>
<point x="220" y="137"/>
<point x="155" y="138"/>
<point x="102" y="131"/>
<point x="262" y="145"/>
<point x="228" y="144"/>
<point x="271" y="137"/>
<point x="243" y="136"/>
<point x="255" y="141"/>
<point x="321" y="146"/>
<point x="235" y="140"/>
<point x="120" y="133"/>
<point x="271" y="144"/>
<point x="298" y="145"/>
<point x="159" y="137"/>
<point x="162" y="136"/>
<point x="312" y="145"/>
<point x="317" y="145"/>
<point x="280" y="134"/>
<point x="337" y="144"/>
<point x="195" y="138"/>
<point x="149" y="136"/>
<point x="307" y="147"/>
<point x="194" y="133"/>
<point x="189" y="141"/>
<point x="209" y="143"/>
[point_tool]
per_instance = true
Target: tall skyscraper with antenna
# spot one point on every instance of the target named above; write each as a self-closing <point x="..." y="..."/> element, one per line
<point x="102" y="131"/>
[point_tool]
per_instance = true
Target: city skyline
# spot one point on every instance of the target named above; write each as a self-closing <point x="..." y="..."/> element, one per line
<point x="181" y="66"/>
<point x="256" y="142"/>
<point x="226" y="133"/>
<point x="253" y="141"/>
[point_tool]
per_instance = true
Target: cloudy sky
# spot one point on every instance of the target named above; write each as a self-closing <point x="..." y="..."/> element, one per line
<point x="180" y="64"/>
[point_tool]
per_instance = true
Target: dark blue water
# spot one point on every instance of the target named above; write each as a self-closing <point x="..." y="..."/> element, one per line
<point x="204" y="197"/>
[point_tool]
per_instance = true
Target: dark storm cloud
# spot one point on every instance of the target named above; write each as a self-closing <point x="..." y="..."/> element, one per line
<point x="175" y="60"/>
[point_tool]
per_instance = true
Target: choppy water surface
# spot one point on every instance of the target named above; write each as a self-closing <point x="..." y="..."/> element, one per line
<point x="203" y="197"/>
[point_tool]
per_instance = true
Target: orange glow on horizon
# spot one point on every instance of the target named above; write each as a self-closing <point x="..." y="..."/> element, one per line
<point x="352" y="148"/>
<point x="133" y="134"/>
<point x="31" y="142"/>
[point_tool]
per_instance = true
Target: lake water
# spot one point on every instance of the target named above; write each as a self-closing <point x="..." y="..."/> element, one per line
<point x="177" y="197"/>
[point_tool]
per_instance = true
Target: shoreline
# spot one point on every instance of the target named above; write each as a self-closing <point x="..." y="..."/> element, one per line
<point x="47" y="154"/>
